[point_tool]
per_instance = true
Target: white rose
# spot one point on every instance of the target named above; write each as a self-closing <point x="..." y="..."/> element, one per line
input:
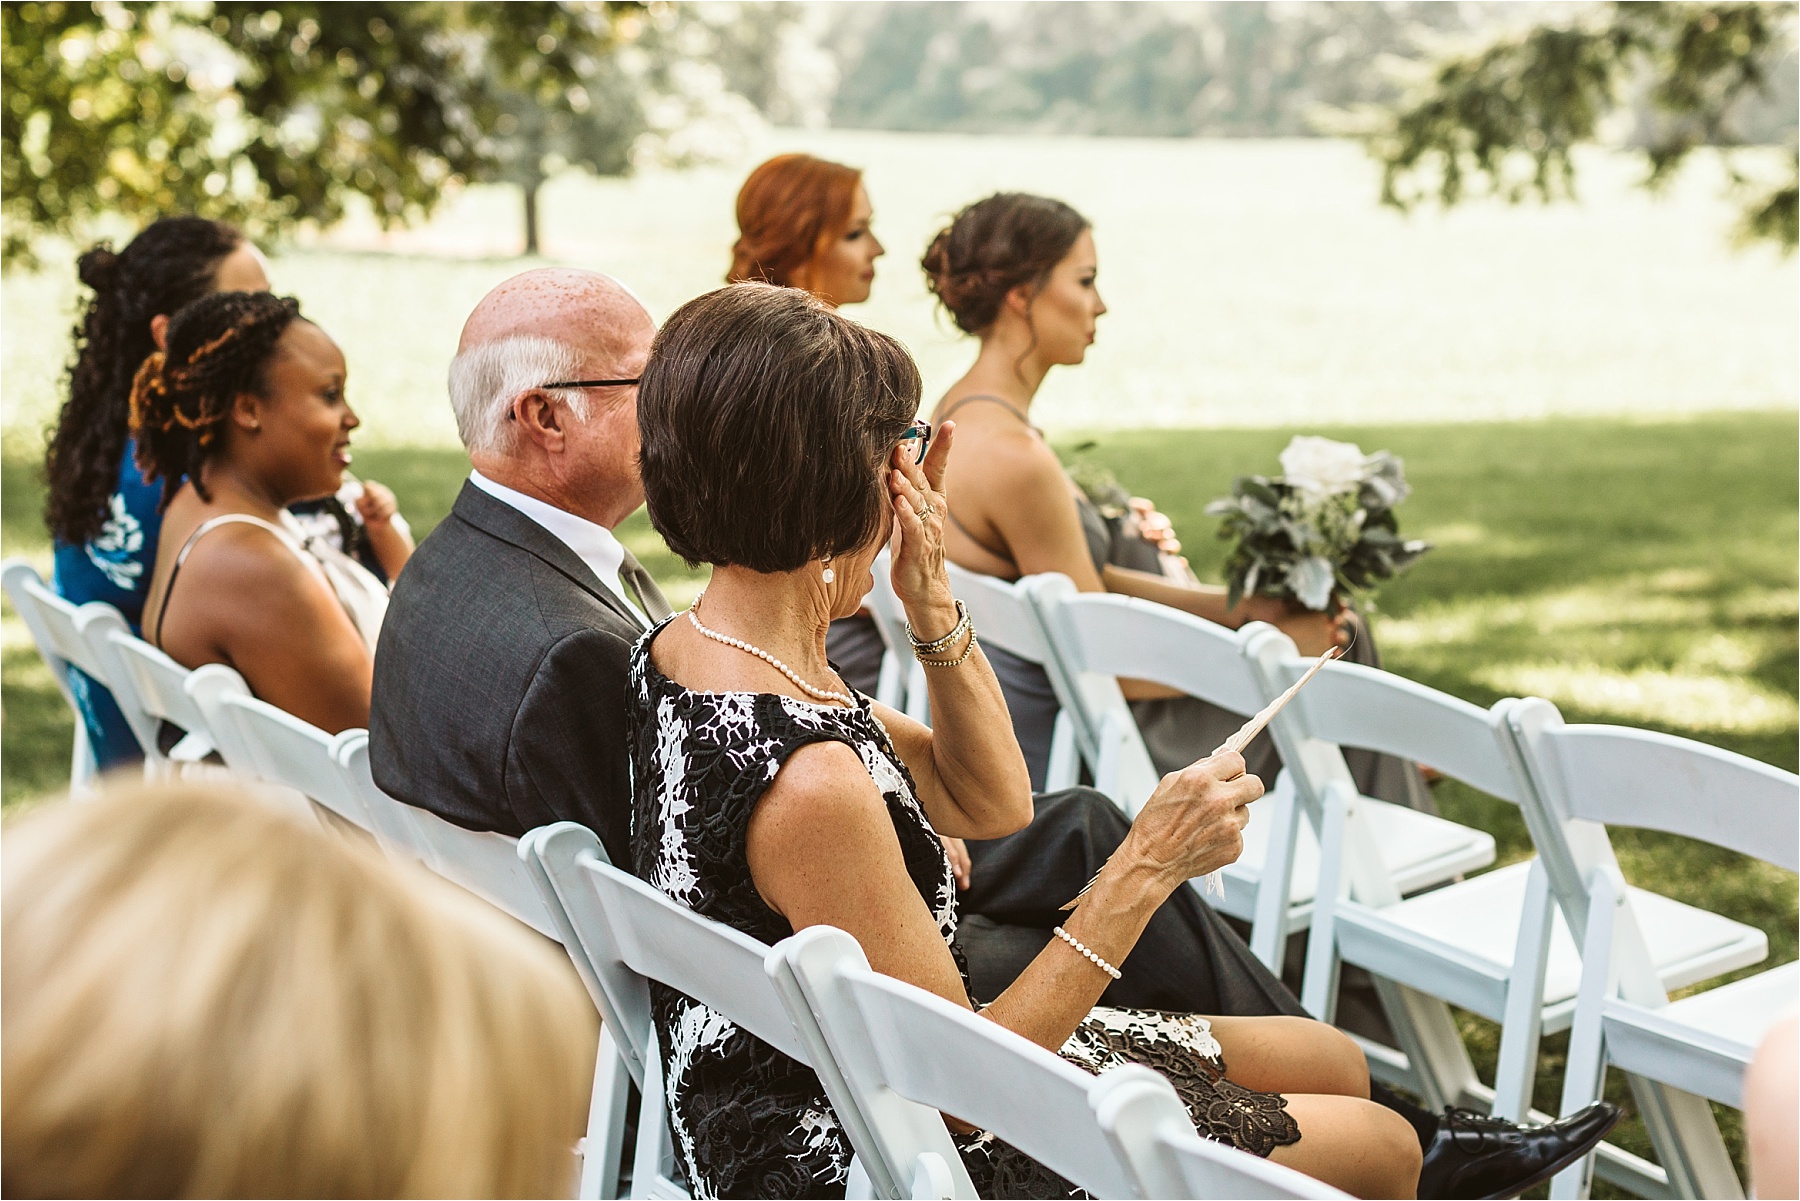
<point x="1321" y="465"/>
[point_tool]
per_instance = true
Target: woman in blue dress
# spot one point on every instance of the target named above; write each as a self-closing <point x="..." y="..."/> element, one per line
<point x="101" y="511"/>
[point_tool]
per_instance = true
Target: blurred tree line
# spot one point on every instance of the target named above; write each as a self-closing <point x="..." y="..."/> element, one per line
<point x="1446" y="95"/>
<point x="275" y="115"/>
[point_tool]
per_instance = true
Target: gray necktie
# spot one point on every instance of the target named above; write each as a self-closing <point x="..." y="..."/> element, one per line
<point x="643" y="589"/>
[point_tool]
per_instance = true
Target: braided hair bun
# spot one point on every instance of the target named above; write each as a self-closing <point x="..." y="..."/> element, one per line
<point x="170" y="263"/>
<point x="218" y="348"/>
<point x="993" y="246"/>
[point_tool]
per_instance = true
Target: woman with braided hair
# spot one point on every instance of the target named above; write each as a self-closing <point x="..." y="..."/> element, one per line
<point x="241" y="415"/>
<point x="102" y="512"/>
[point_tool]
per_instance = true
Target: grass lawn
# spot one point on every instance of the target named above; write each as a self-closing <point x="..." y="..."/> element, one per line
<point x="1642" y="573"/>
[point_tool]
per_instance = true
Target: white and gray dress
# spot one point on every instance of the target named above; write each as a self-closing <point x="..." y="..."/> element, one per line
<point x="750" y="1122"/>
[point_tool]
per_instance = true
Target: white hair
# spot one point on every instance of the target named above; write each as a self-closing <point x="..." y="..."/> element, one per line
<point x="486" y="379"/>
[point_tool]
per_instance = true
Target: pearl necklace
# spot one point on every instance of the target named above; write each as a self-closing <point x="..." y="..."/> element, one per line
<point x="824" y="694"/>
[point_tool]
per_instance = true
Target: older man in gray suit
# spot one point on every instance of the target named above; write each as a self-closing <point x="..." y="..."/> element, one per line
<point x="499" y="694"/>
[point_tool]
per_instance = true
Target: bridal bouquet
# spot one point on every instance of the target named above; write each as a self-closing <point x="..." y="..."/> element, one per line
<point x="1325" y="523"/>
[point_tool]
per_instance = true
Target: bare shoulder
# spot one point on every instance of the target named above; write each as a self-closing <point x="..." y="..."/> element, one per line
<point x="822" y="789"/>
<point x="246" y="559"/>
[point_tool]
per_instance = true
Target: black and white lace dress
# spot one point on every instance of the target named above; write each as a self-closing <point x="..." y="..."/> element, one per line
<point x="747" y="1120"/>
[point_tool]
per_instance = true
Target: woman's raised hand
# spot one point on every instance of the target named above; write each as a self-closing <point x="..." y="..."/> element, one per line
<point x="920" y="509"/>
<point x="1194" y="822"/>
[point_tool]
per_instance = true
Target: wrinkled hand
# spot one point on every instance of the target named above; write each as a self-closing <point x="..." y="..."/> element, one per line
<point x="376" y="506"/>
<point x="958" y="851"/>
<point x="917" y="493"/>
<point x="1194" y="822"/>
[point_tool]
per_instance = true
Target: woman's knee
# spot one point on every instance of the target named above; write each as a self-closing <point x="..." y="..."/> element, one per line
<point x="1396" y="1152"/>
<point x="1342" y="1060"/>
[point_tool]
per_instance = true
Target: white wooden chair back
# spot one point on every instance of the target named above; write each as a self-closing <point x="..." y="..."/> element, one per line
<point x="481" y="861"/>
<point x="1588" y="777"/>
<point x="295" y="754"/>
<point x="66" y="635"/>
<point x="1351" y="705"/>
<point x="893" y="1039"/>
<point x="1098" y="637"/>
<point x="1620" y="776"/>
<point x="389" y="819"/>
<point x="630" y="933"/>
<point x="147" y="680"/>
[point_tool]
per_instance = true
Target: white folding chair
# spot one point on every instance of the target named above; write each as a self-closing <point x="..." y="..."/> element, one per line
<point x="66" y="635"/>
<point x="278" y="748"/>
<point x="1592" y="776"/>
<point x="1492" y="944"/>
<point x="152" y="688"/>
<point x="493" y="867"/>
<point x="481" y="861"/>
<point x="1123" y="1133"/>
<point x="630" y="933"/>
<point x="1098" y="637"/>
<point x="1004" y="616"/>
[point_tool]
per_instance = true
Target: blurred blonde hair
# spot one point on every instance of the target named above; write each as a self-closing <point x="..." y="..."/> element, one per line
<point x="202" y="997"/>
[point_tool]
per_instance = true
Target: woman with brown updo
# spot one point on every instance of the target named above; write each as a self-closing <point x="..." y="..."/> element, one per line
<point x="242" y="414"/>
<point x="1019" y="272"/>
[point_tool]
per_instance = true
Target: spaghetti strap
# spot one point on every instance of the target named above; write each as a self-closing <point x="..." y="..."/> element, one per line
<point x="973" y="398"/>
<point x="990" y="398"/>
<point x="206" y="527"/>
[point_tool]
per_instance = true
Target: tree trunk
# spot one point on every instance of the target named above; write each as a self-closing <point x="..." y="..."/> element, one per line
<point x="531" y="217"/>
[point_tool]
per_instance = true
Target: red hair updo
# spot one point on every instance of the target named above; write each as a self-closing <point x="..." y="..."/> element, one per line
<point x="788" y="212"/>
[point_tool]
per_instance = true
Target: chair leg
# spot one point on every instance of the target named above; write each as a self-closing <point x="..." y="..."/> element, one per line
<point x="1318" y="991"/>
<point x="654" y="1161"/>
<point x="1687" y="1141"/>
<point x="1269" y="931"/>
<point x="1524" y="1017"/>
<point x="606" y="1122"/>
<point x="82" y="767"/>
<point x="1065" y="761"/>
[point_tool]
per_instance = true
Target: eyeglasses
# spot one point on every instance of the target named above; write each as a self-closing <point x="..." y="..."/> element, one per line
<point x="580" y="383"/>
<point x="919" y="432"/>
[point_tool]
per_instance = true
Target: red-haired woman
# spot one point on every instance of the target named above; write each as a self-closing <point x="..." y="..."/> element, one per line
<point x="803" y="222"/>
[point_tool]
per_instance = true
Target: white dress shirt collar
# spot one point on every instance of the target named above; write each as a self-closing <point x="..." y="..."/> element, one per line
<point x="592" y="544"/>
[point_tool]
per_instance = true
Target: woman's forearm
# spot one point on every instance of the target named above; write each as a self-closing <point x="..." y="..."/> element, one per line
<point x="1202" y="600"/>
<point x="975" y="758"/>
<point x="392" y="548"/>
<point x="1056" y="991"/>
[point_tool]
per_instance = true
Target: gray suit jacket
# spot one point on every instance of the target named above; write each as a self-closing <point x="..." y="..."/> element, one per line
<point x="500" y="681"/>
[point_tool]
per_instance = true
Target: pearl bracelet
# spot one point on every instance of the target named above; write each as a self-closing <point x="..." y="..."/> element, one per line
<point x="1098" y="962"/>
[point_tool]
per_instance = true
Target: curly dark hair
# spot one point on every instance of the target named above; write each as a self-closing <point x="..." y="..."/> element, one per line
<point x="168" y="264"/>
<point x="765" y="416"/>
<point x="994" y="246"/>
<point x="218" y="348"/>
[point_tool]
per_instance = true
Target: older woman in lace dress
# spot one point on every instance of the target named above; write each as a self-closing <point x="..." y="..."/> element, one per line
<point x="779" y="446"/>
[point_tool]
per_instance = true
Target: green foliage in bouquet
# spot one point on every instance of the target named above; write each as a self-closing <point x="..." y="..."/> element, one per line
<point x="1325" y="524"/>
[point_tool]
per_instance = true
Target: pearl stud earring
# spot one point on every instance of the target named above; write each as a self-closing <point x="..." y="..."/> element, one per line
<point x="828" y="575"/>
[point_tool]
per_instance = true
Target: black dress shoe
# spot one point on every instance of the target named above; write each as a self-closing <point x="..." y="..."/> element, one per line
<point x="1478" y="1156"/>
